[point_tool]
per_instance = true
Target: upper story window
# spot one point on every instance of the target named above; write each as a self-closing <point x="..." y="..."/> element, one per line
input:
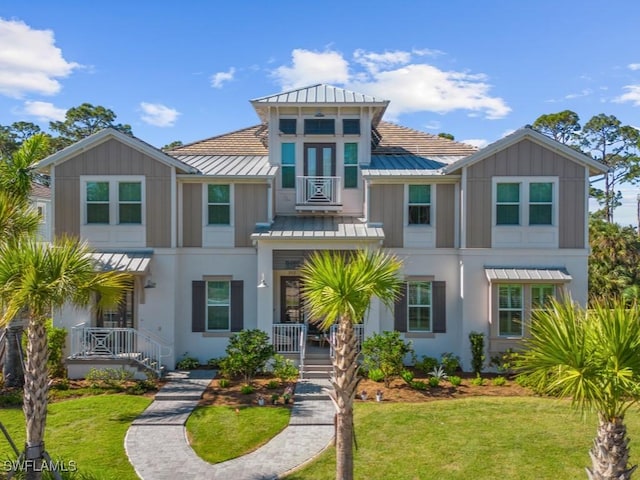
<point x="218" y="305"/>
<point x="319" y="126"/>
<point x="219" y="204"/>
<point x="508" y="204"/>
<point x="350" y="165"/>
<point x="288" y="126"/>
<point x="351" y="126"/>
<point x="510" y="311"/>
<point x="527" y="202"/>
<point x="419" y="205"/>
<point x="288" y="167"/>
<point x="540" y="203"/>
<point x="113" y="202"/>
<point x="419" y="301"/>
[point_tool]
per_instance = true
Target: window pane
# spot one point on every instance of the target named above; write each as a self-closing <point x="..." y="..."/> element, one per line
<point x="508" y="192"/>
<point x="541" y="295"/>
<point x="130" y="213"/>
<point x="130" y="192"/>
<point x="219" y="215"/>
<point x="419" y="293"/>
<point x="510" y="323"/>
<point x="98" y="191"/>
<point x="97" y="213"/>
<point x="419" y="193"/>
<point x="218" y="193"/>
<point x="288" y="126"/>
<point x="319" y="126"/>
<point x="218" y="318"/>
<point x="217" y="293"/>
<point x="288" y="154"/>
<point x="288" y="176"/>
<point x="540" y="215"/>
<point x="350" y="153"/>
<point x="420" y="319"/>
<point x="508" y="214"/>
<point x="351" y="176"/>
<point x="540" y="192"/>
<point x="351" y="126"/>
<point x="419" y="215"/>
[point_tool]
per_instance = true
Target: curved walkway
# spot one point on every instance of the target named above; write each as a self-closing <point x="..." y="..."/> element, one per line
<point x="157" y="447"/>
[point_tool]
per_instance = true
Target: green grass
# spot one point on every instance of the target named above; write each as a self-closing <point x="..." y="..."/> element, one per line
<point x="88" y="430"/>
<point x="218" y="433"/>
<point x="483" y="438"/>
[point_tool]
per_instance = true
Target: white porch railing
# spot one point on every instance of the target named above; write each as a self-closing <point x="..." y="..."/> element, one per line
<point x="318" y="191"/>
<point x="359" y="332"/>
<point x="118" y="343"/>
<point x="289" y="337"/>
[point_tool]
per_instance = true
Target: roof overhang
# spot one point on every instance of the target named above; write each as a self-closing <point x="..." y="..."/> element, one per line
<point x="319" y="228"/>
<point x="136" y="263"/>
<point x="527" y="274"/>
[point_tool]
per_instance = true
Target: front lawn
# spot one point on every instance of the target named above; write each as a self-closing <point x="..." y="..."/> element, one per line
<point x="89" y="430"/>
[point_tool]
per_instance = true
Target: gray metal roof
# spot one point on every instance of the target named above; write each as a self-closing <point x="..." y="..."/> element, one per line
<point x="231" y="165"/>
<point x="320" y="228"/>
<point x="132" y="262"/>
<point x="320" y="93"/>
<point x="402" y="165"/>
<point x="527" y="274"/>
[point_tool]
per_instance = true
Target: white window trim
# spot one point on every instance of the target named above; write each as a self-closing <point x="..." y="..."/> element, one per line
<point x="114" y="181"/>
<point x="205" y="209"/>
<point x="522" y="309"/>
<point x="420" y="306"/>
<point x="206" y="320"/>
<point x="525" y="202"/>
<point x="431" y="204"/>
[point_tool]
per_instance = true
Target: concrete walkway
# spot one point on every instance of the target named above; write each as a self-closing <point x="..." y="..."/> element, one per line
<point x="157" y="447"/>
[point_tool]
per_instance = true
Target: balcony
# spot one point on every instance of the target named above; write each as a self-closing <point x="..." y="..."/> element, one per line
<point x="318" y="193"/>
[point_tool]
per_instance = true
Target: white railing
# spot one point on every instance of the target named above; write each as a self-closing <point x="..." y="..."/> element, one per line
<point x="358" y="330"/>
<point x="318" y="191"/>
<point x="288" y="337"/>
<point x="117" y="343"/>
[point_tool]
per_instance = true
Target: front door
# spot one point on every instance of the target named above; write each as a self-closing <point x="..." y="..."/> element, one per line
<point x="319" y="159"/>
<point x="120" y="316"/>
<point x="291" y="310"/>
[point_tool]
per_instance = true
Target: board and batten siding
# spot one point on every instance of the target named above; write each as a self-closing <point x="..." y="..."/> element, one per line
<point x="386" y="206"/>
<point x="114" y="158"/>
<point x="192" y="215"/>
<point x="250" y="207"/>
<point x="526" y="158"/>
<point x="445" y="215"/>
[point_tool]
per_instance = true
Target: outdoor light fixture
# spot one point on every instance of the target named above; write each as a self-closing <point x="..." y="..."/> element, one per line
<point x="263" y="283"/>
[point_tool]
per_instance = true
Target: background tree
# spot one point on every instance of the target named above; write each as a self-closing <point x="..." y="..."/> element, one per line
<point x="85" y="120"/>
<point x="172" y="145"/>
<point x="593" y="359"/>
<point x="561" y="126"/>
<point x="39" y="278"/>
<point x="446" y="135"/>
<point x="338" y="288"/>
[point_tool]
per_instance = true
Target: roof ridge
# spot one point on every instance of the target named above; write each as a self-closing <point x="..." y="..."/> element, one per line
<point x="214" y="137"/>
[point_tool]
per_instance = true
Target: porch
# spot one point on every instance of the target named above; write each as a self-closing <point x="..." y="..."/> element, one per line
<point x="295" y="339"/>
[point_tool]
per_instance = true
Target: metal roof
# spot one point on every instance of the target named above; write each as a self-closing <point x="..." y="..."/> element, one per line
<point x="319" y="93"/>
<point x="231" y="165"/>
<point x="131" y="262"/>
<point x="527" y="274"/>
<point x="321" y="228"/>
<point x="401" y="165"/>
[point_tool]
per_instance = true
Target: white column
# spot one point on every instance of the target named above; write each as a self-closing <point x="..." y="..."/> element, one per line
<point x="265" y="295"/>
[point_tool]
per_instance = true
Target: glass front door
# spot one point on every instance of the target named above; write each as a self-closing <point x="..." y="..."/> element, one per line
<point x="120" y="316"/>
<point x="319" y="160"/>
<point x="291" y="310"/>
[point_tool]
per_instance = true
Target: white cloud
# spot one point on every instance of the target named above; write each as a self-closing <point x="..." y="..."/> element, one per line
<point x="634" y="66"/>
<point x="44" y="111"/>
<point x="158" y="115"/>
<point x="411" y="86"/>
<point x="632" y="95"/>
<point x="583" y="93"/>
<point x="309" y="68"/>
<point x="476" y="142"/>
<point x="507" y="132"/>
<point x="218" y="79"/>
<point x="29" y="60"/>
<point x="433" y="125"/>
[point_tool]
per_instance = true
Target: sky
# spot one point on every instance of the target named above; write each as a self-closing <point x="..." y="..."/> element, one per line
<point x="187" y="70"/>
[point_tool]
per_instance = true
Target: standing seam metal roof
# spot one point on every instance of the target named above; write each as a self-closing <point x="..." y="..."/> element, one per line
<point x="319" y="93"/>
<point x="319" y="228"/>
<point x="532" y="274"/>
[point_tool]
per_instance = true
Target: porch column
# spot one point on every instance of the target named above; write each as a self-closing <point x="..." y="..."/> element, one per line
<point x="266" y="294"/>
<point x="372" y="321"/>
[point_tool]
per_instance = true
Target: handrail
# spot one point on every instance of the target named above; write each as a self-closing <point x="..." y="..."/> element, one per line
<point x="303" y="348"/>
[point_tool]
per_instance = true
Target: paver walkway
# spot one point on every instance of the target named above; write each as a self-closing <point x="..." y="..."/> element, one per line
<point x="157" y="447"/>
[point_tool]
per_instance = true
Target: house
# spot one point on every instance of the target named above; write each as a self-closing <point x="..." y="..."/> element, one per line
<point x="214" y="232"/>
<point x="40" y="199"/>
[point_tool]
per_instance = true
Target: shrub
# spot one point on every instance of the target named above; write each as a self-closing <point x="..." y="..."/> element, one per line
<point x="439" y="373"/>
<point x="434" y="382"/>
<point x="455" y="380"/>
<point x="376" y="375"/>
<point x="477" y="351"/>
<point x="418" y="385"/>
<point x="477" y="381"/>
<point x="273" y="384"/>
<point x="427" y="364"/>
<point x="214" y="362"/>
<point x="499" y="381"/>
<point x="505" y="362"/>
<point x="385" y="352"/>
<point x="450" y="363"/>
<point x="187" y="363"/>
<point x="407" y="376"/>
<point x="11" y="398"/>
<point x="284" y="369"/>
<point x="247" y="354"/>
<point x="247" y="389"/>
<point x="141" y="387"/>
<point x="56" y="338"/>
<point x="224" y="383"/>
<point x="109" y="377"/>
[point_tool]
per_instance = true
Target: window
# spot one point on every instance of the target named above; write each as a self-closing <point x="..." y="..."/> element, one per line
<point x="510" y="310"/>
<point x="288" y="167"/>
<point x="541" y="296"/>
<point x="419" y="204"/>
<point x="350" y="165"/>
<point x="98" y="202"/>
<point x="419" y="306"/>
<point x="540" y="203"/>
<point x="319" y="126"/>
<point x="130" y="202"/>
<point x="508" y="204"/>
<point x="351" y="126"/>
<point x="219" y="204"/>
<point x="288" y="126"/>
<point x="218" y="305"/>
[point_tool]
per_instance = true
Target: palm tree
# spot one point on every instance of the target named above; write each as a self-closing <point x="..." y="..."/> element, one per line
<point x="339" y="288"/>
<point x="38" y="279"/>
<point x="593" y="357"/>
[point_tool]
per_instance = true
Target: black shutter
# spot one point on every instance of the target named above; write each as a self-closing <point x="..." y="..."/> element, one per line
<point x="237" y="305"/>
<point x="198" y="303"/>
<point x="439" y="307"/>
<point x="400" y="310"/>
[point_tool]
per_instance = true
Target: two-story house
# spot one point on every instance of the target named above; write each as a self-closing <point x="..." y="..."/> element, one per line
<point x="215" y="232"/>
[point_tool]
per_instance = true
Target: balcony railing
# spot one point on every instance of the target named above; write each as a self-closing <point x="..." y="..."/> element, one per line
<point x="318" y="191"/>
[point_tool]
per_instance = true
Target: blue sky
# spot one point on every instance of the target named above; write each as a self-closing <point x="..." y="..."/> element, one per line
<point x="186" y="70"/>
